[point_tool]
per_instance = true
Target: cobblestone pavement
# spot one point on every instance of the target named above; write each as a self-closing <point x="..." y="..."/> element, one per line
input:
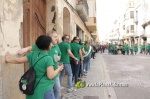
<point x="95" y="75"/>
<point x="131" y="70"/>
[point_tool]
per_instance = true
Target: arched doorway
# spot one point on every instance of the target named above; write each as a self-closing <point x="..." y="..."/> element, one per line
<point x="66" y="21"/>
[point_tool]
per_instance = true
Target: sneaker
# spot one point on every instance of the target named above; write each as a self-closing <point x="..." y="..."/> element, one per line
<point x="62" y="88"/>
<point x="79" y="79"/>
<point x="71" y="90"/>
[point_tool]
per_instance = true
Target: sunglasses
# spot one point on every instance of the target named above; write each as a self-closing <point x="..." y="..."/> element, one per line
<point x="67" y="39"/>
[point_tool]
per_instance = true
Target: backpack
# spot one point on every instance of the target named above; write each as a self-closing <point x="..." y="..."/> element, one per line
<point x="27" y="81"/>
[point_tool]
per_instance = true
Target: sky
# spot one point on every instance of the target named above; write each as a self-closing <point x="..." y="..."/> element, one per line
<point x="107" y="11"/>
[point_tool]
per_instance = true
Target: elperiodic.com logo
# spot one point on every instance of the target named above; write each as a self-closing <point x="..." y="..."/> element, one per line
<point x="82" y="84"/>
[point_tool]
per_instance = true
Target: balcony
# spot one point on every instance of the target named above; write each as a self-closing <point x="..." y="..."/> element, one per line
<point x="131" y="33"/>
<point x="145" y="22"/>
<point x="83" y="10"/>
<point x="91" y="24"/>
<point x="94" y="35"/>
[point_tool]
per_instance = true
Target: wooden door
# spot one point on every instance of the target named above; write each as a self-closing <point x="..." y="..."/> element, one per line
<point x="34" y="21"/>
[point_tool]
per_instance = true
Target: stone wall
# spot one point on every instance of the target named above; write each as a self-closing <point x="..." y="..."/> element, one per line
<point x="74" y="19"/>
<point x="11" y="17"/>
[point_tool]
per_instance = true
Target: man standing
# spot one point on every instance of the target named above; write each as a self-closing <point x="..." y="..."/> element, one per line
<point x="65" y="52"/>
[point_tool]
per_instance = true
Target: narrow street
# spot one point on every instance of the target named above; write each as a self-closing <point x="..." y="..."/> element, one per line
<point x="132" y="71"/>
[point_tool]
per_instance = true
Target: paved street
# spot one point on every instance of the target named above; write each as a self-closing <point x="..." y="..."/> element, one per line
<point x="131" y="72"/>
<point x="94" y="75"/>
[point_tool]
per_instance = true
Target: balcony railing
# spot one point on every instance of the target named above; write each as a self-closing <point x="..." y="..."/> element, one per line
<point x="83" y="9"/>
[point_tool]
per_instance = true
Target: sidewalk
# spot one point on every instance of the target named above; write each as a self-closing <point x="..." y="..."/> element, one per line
<point x="95" y="75"/>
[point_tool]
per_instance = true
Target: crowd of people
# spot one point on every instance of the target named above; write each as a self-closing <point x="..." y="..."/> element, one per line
<point x="128" y="50"/>
<point x="67" y="57"/>
<point x="124" y="49"/>
<point x="145" y="48"/>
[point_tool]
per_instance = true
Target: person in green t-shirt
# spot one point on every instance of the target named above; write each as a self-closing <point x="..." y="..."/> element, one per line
<point x="55" y="53"/>
<point x="131" y="49"/>
<point x="76" y="50"/>
<point x="135" y="48"/>
<point x="65" y="53"/>
<point x="44" y="89"/>
<point x="123" y="49"/>
<point x="81" y="72"/>
<point x="87" y="57"/>
<point x="141" y="48"/>
<point x="127" y="49"/>
<point x="148" y="48"/>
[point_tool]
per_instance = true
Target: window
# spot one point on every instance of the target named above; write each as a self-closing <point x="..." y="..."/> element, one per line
<point x="123" y="27"/>
<point x="131" y="14"/>
<point x="132" y="27"/>
<point x="127" y="29"/>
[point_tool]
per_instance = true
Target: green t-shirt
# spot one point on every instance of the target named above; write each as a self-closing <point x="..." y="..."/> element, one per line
<point x="127" y="48"/>
<point x="64" y="47"/>
<point x="135" y="48"/>
<point x="54" y="50"/>
<point x="82" y="46"/>
<point x="123" y="48"/>
<point x="75" y="47"/>
<point x="40" y="68"/>
<point x="87" y="50"/>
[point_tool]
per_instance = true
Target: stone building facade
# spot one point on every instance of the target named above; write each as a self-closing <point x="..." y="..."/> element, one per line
<point x="22" y="21"/>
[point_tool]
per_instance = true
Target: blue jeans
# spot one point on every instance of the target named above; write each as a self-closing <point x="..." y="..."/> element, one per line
<point x="86" y="63"/>
<point x="56" y="88"/>
<point x="67" y="68"/>
<point x="49" y="95"/>
<point x="75" y="70"/>
<point x="81" y="72"/>
<point x="89" y="63"/>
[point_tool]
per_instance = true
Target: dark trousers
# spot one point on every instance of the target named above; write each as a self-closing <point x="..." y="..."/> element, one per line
<point x="75" y="69"/>
<point x="127" y="52"/>
<point x="131" y="51"/>
<point x="148" y="51"/>
<point x="80" y="70"/>
<point x="103" y="50"/>
<point x="123" y="52"/>
<point x="93" y="55"/>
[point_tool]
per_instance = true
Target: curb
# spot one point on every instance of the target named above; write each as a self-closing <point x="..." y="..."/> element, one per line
<point x="108" y="91"/>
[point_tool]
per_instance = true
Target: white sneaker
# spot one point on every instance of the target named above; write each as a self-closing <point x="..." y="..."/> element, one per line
<point x="62" y="88"/>
<point x="71" y="90"/>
